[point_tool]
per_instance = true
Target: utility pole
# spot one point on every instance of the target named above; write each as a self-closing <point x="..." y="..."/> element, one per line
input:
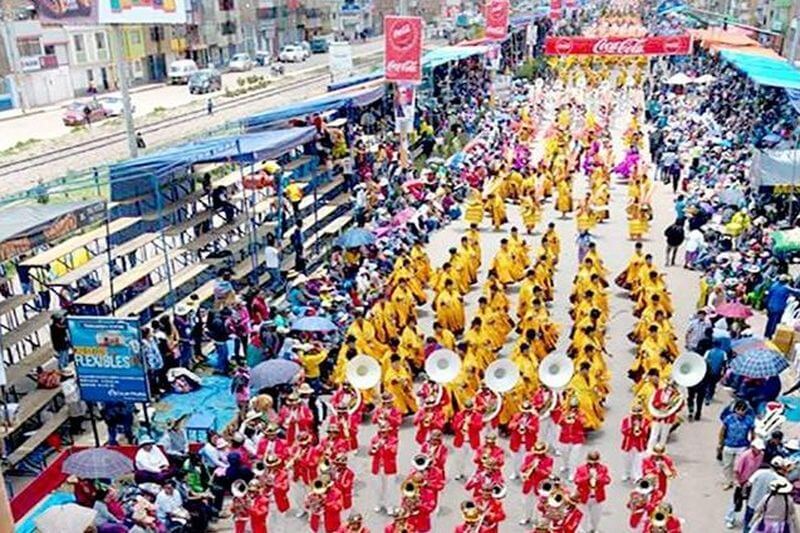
<point x="795" y="39"/>
<point x="122" y="77"/>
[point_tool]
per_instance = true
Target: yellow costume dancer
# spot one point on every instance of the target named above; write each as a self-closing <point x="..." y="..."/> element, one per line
<point x="422" y="265"/>
<point x="638" y="221"/>
<point x="503" y="264"/>
<point x="564" y="200"/>
<point x="474" y="210"/>
<point x="531" y="213"/>
<point x="583" y="387"/>
<point x="551" y="242"/>
<point x="449" y="307"/>
<point x="364" y="333"/>
<point x="497" y="210"/>
<point x="397" y="380"/>
<point x="584" y="217"/>
<point x="403" y="303"/>
<point x="628" y="277"/>
<point x="519" y="252"/>
<point x="384" y="320"/>
<point x="444" y="337"/>
<point x="412" y="348"/>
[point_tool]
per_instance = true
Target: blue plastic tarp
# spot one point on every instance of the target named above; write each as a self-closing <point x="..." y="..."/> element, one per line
<point x="765" y="70"/>
<point x="446" y="54"/>
<point x="355" y="80"/>
<point x="311" y="107"/>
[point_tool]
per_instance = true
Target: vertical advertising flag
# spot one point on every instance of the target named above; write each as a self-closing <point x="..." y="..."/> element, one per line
<point x="555" y="9"/>
<point x="109" y="360"/>
<point x="496" y="19"/>
<point x="403" y="49"/>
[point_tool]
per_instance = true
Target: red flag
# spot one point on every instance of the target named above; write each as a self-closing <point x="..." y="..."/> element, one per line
<point x="403" y="48"/>
<point x="619" y="46"/>
<point x="555" y="9"/>
<point x="496" y="19"/>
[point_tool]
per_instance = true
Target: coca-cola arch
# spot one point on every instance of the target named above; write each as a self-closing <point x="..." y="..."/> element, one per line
<point x="619" y="46"/>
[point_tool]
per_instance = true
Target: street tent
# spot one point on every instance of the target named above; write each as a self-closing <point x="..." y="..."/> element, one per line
<point x="314" y="106"/>
<point x="764" y="70"/>
<point x="750" y="50"/>
<point x="730" y="36"/>
<point x="355" y="80"/>
<point x="447" y="54"/>
<point x="775" y="168"/>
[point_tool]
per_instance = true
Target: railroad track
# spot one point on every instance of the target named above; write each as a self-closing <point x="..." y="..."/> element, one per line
<point x="58" y="154"/>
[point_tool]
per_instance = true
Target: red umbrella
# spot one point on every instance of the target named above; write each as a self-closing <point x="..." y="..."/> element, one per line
<point x="733" y="310"/>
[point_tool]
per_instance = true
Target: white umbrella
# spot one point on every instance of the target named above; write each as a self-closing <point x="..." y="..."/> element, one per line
<point x="679" y="79"/>
<point x="705" y="78"/>
<point x="64" y="518"/>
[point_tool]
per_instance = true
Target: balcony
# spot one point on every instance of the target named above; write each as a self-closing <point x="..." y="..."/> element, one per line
<point x="50" y="61"/>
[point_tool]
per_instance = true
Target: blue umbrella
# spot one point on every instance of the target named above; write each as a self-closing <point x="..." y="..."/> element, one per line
<point x="759" y="363"/>
<point x="313" y="323"/>
<point x="272" y="373"/>
<point x="356" y="237"/>
<point x="98" y="463"/>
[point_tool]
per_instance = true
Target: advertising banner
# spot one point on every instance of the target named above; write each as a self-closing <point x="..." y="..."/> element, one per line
<point x="403" y="45"/>
<point x="555" y="9"/>
<point x="619" y="46"/>
<point x="83" y="12"/>
<point x="109" y="361"/>
<point x="496" y="19"/>
<point x="340" y="56"/>
<point x="404" y="101"/>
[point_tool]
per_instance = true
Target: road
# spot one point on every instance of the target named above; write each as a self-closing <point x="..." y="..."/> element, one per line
<point x="48" y="125"/>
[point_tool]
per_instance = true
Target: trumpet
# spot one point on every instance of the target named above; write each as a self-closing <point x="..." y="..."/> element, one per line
<point x="315" y="503"/>
<point x="546" y="487"/>
<point x="526" y="474"/>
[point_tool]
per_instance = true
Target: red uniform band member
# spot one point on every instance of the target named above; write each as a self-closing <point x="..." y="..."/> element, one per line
<point x="295" y="417"/>
<point x="665" y="404"/>
<point x="467" y="426"/>
<point x="643" y="500"/>
<point x="488" y="475"/>
<point x="572" y="435"/>
<point x="271" y="444"/>
<point x="417" y="503"/>
<point x="436" y="450"/>
<point x="347" y="420"/>
<point x="324" y="506"/>
<point x="383" y="449"/>
<point x="662" y="520"/>
<point x="635" y="434"/>
<point x="429" y="418"/>
<point x="524" y="430"/>
<point x="660" y="465"/>
<point x="354" y="524"/>
<point x="537" y="467"/>
<point x="259" y="507"/>
<point x="491" y="505"/>
<point x="591" y="480"/>
<point x="388" y="413"/>
<point x="240" y="506"/>
<point x="560" y="512"/>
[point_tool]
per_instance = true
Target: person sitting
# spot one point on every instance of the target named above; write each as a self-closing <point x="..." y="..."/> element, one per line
<point x="175" y="441"/>
<point x="169" y="506"/>
<point x="150" y="463"/>
<point x="105" y="520"/>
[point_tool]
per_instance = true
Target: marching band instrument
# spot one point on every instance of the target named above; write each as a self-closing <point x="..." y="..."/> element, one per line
<point x="502" y="375"/>
<point x="498" y="492"/>
<point x="410" y="490"/>
<point x="259" y="469"/>
<point x="421" y="461"/>
<point x="442" y="366"/>
<point x="363" y="372"/>
<point x="674" y="405"/>
<point x="547" y="486"/>
<point x="556" y="371"/>
<point x="688" y="370"/>
<point x="239" y="488"/>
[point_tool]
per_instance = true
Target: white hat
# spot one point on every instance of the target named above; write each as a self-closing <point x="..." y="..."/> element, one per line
<point x="781" y="486"/>
<point x="758" y="443"/>
<point x="182" y="310"/>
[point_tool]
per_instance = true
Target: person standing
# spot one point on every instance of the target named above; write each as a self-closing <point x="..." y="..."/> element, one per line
<point x="675" y="235"/>
<point x="696" y="330"/>
<point x="777" y="296"/>
<point x="759" y="486"/>
<point x="272" y="262"/>
<point x="734" y="438"/>
<point x="777" y="511"/>
<point x="591" y="480"/>
<point x="716" y="359"/>
<point x="59" y="338"/>
<point x="745" y="466"/>
<point x="697" y="394"/>
<point x="635" y="435"/>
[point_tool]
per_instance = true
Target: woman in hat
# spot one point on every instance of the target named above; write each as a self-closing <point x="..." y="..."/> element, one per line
<point x="776" y="513"/>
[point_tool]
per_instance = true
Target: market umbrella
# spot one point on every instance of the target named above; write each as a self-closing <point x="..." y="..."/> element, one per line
<point x="731" y="196"/>
<point x="313" y="323"/>
<point x="745" y="344"/>
<point x="733" y="310"/>
<point x="97" y="463"/>
<point x="759" y="363"/>
<point x="65" y="518"/>
<point x="272" y="373"/>
<point x="705" y="78"/>
<point x="679" y="79"/>
<point x="356" y="237"/>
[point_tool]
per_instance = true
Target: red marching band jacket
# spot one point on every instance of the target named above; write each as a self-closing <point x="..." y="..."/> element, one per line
<point x="635" y="433"/>
<point x="467" y="425"/>
<point x="524" y="430"/>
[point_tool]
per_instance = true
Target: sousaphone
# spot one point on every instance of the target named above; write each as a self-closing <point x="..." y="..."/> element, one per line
<point x="363" y="372"/>
<point x="442" y="366"/>
<point x="501" y="376"/>
<point x="556" y="371"/>
<point x="688" y="369"/>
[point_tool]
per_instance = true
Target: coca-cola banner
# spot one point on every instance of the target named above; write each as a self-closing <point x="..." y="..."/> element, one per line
<point x="403" y="45"/>
<point x="619" y="46"/>
<point x="496" y="19"/>
<point x="555" y="9"/>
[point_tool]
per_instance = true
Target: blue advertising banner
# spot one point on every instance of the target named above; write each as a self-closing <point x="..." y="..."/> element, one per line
<point x="108" y="359"/>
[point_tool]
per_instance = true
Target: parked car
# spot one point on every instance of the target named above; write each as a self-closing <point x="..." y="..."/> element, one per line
<point x="180" y="71"/>
<point x="76" y="113"/>
<point x="205" y="81"/>
<point x="240" y="63"/>
<point x="113" y="106"/>
<point x="291" y="53"/>
<point x="306" y="48"/>
<point x="263" y="58"/>
<point x="319" y="45"/>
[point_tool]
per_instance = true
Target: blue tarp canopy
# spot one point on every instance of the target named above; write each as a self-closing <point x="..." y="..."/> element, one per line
<point x="765" y="70"/>
<point x="355" y="80"/>
<point x="446" y="54"/>
<point x="313" y="106"/>
<point x="247" y="148"/>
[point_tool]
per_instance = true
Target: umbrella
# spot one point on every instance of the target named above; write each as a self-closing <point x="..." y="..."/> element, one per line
<point x="759" y="363"/>
<point x="745" y="344"/>
<point x="65" y="518"/>
<point x="731" y="196"/>
<point x="273" y="372"/>
<point x="356" y="237"/>
<point x="97" y="463"/>
<point x="679" y="79"/>
<point x="705" y="78"/>
<point x="733" y="310"/>
<point x="403" y="216"/>
<point x="313" y="323"/>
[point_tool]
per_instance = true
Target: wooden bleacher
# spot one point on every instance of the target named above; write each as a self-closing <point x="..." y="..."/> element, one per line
<point x="16" y="372"/>
<point x="193" y="220"/>
<point x="30" y="444"/>
<point x="99" y="261"/>
<point x="173" y="207"/>
<point x="14" y="302"/>
<point x="160" y="290"/>
<point x="26" y="329"/>
<point x="29" y="406"/>
<point x="103" y="293"/>
<point x="70" y="245"/>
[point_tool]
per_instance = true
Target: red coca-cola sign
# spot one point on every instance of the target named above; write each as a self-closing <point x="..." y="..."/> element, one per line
<point x="619" y="46"/>
<point x="496" y="19"/>
<point x="403" y="45"/>
<point x="555" y="9"/>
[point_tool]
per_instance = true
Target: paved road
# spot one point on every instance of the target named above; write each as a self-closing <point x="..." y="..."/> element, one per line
<point x="48" y="124"/>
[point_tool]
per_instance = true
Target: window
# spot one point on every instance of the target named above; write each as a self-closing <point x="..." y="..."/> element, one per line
<point x="49" y="49"/>
<point x="156" y="34"/>
<point x="100" y="41"/>
<point x="77" y="41"/>
<point x="29" y="47"/>
<point x="90" y="75"/>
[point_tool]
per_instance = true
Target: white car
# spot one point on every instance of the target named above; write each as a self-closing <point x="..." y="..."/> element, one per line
<point x="292" y="54"/>
<point x="240" y="63"/>
<point x="112" y="105"/>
